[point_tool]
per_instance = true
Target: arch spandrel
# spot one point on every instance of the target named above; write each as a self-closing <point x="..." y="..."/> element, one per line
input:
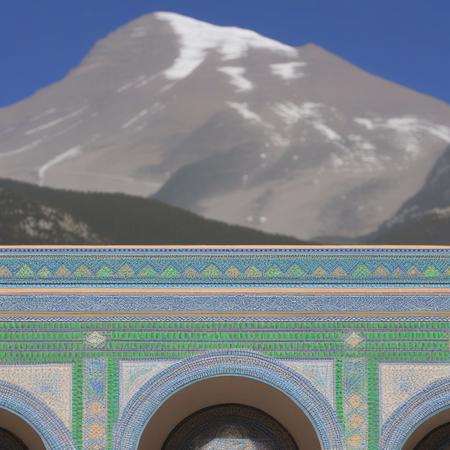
<point x="402" y="423"/>
<point x="37" y="415"/>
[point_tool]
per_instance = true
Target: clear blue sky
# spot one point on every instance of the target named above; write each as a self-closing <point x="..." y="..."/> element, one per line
<point x="407" y="41"/>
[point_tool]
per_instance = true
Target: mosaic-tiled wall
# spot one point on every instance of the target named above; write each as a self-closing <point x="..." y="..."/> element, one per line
<point x="86" y="355"/>
<point x="47" y="358"/>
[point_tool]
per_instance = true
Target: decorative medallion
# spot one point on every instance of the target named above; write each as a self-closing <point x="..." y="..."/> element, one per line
<point x="95" y="339"/>
<point x="354" y="339"/>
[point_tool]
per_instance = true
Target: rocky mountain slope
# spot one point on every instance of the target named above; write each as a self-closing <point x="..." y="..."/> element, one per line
<point x="424" y="218"/>
<point x="37" y="215"/>
<point x="231" y="125"/>
<point x="25" y="221"/>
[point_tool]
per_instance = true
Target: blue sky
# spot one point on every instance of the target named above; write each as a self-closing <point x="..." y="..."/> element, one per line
<point x="406" y="41"/>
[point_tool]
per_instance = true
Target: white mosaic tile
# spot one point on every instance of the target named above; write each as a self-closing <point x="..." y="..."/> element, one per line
<point x="319" y="372"/>
<point x="400" y="382"/>
<point x="51" y="383"/>
<point x="134" y="374"/>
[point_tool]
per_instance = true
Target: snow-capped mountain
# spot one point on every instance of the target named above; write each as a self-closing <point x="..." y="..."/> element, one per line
<point x="231" y="125"/>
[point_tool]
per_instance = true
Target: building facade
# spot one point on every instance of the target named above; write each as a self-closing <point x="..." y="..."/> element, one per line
<point x="215" y="347"/>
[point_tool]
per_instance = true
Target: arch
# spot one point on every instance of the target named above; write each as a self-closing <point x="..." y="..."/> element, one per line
<point x="217" y="391"/>
<point x="246" y="364"/>
<point x="37" y="414"/>
<point x="402" y="423"/>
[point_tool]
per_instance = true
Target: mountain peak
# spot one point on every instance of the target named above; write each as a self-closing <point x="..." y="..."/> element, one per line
<point x="197" y="37"/>
<point x="316" y="51"/>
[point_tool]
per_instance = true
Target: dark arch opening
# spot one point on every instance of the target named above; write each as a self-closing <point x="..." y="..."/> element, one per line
<point x="438" y="439"/>
<point x="433" y="434"/>
<point x="227" y="390"/>
<point x="230" y="426"/>
<point x="9" y="441"/>
<point x="16" y="434"/>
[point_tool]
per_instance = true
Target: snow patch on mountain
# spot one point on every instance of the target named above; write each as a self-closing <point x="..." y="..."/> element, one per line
<point x="279" y="141"/>
<point x="244" y="110"/>
<point x="288" y="71"/>
<point x="408" y="129"/>
<point x="237" y="78"/>
<point x="22" y="149"/>
<point x="55" y="122"/>
<point x="140" y="81"/>
<point x="309" y="112"/>
<point x="196" y="38"/>
<point x="367" y="123"/>
<point x="292" y="113"/>
<point x="69" y="154"/>
<point x="134" y="119"/>
<point x="406" y="125"/>
<point x="326" y="131"/>
<point x="360" y="143"/>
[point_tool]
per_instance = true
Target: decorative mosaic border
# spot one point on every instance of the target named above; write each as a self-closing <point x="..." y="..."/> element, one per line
<point x="150" y="267"/>
<point x="355" y="402"/>
<point x="95" y="387"/>
<point x="118" y="318"/>
<point x="71" y="342"/>
<point x="225" y="303"/>
<point x="152" y="395"/>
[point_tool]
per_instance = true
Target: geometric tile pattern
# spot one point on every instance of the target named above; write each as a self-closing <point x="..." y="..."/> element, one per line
<point x="355" y="402"/>
<point x="353" y="339"/>
<point x="95" y="339"/>
<point x="54" y="267"/>
<point x="95" y="403"/>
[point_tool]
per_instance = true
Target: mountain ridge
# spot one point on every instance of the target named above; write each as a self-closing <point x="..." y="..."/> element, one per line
<point x="425" y="217"/>
<point x="33" y="215"/>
